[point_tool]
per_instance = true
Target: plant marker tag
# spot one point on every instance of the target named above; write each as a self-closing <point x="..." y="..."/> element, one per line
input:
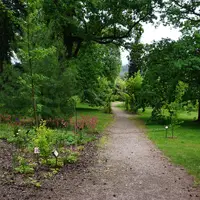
<point x="55" y="153"/>
<point x="36" y="150"/>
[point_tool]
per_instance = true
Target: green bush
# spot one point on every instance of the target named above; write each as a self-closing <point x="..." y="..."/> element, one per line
<point x="72" y="158"/>
<point x="24" y="166"/>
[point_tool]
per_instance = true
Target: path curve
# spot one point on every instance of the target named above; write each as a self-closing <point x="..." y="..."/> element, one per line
<point x="128" y="168"/>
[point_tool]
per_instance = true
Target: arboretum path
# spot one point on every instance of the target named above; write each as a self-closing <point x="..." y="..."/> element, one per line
<point x="129" y="167"/>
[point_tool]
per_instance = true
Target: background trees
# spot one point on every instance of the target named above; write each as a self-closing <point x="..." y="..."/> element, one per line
<point x="183" y="13"/>
<point x="166" y="64"/>
<point x="96" y="63"/>
<point x="45" y="81"/>
<point x="104" y="22"/>
<point x="63" y="54"/>
<point x="135" y="58"/>
<point x="10" y="14"/>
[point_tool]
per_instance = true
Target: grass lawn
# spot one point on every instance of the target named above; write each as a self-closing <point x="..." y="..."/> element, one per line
<point x="183" y="150"/>
<point x="5" y="130"/>
<point x="104" y="119"/>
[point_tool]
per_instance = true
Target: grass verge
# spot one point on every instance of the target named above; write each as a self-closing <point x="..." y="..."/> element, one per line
<point x="184" y="149"/>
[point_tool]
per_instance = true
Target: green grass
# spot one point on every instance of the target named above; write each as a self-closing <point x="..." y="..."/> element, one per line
<point x="5" y="131"/>
<point x="104" y="119"/>
<point x="184" y="149"/>
<point x="121" y="105"/>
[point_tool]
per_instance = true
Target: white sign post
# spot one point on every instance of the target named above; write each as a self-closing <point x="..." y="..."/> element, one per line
<point x="55" y="154"/>
<point x="37" y="152"/>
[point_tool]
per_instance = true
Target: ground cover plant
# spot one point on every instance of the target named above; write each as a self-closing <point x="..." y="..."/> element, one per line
<point x="184" y="148"/>
<point x="37" y="153"/>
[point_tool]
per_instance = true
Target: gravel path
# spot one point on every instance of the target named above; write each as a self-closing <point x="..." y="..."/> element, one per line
<point x="128" y="168"/>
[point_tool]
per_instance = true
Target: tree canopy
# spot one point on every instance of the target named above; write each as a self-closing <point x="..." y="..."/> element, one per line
<point x="10" y="13"/>
<point x="183" y="12"/>
<point x="96" y="20"/>
<point x="70" y="48"/>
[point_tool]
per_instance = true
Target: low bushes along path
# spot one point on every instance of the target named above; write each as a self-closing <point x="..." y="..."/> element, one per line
<point x="129" y="167"/>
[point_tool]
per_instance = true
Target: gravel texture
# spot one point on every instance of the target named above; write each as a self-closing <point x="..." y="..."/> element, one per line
<point x="129" y="167"/>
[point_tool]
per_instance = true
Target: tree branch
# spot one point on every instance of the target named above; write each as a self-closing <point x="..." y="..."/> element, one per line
<point x="111" y="38"/>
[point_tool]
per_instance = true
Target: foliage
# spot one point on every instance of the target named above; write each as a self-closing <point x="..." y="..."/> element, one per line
<point x="98" y="66"/>
<point x="175" y="107"/>
<point x="182" y="13"/>
<point x="68" y="143"/>
<point x="72" y="158"/>
<point x="133" y="89"/>
<point x="167" y="63"/>
<point x="119" y="90"/>
<point x="135" y="58"/>
<point x="44" y="141"/>
<point x="31" y="84"/>
<point x="11" y="14"/>
<point x="99" y="21"/>
<point x="24" y="167"/>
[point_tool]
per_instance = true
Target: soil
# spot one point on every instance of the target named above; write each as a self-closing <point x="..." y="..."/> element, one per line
<point x="128" y="167"/>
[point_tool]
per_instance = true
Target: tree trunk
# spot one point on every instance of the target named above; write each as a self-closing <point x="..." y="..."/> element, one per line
<point x="199" y="112"/>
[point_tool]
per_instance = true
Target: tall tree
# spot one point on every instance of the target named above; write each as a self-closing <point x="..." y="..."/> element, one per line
<point x="169" y="62"/>
<point x="110" y="21"/>
<point x="183" y="12"/>
<point x="10" y="13"/>
<point x="135" y="58"/>
<point x="96" y="63"/>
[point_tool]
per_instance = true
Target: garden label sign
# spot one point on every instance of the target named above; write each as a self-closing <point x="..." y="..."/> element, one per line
<point x="55" y="153"/>
<point x="36" y="150"/>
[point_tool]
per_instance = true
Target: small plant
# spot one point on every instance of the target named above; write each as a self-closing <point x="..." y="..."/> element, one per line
<point x="20" y="137"/>
<point x="34" y="182"/>
<point x="175" y="106"/>
<point x="52" y="162"/>
<point x="43" y="140"/>
<point x="71" y="138"/>
<point x="72" y="158"/>
<point x="24" y="167"/>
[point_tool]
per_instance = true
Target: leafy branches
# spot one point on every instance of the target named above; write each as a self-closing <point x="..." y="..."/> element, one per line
<point x="11" y="13"/>
<point x="183" y="12"/>
<point x="101" y="21"/>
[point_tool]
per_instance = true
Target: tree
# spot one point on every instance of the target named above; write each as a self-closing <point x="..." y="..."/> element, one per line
<point x="135" y="58"/>
<point x="167" y="63"/>
<point x="10" y="14"/>
<point x="78" y="22"/>
<point x="190" y="65"/>
<point x="161" y="76"/>
<point x="133" y="89"/>
<point x="183" y="12"/>
<point x="40" y="86"/>
<point x="97" y="63"/>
